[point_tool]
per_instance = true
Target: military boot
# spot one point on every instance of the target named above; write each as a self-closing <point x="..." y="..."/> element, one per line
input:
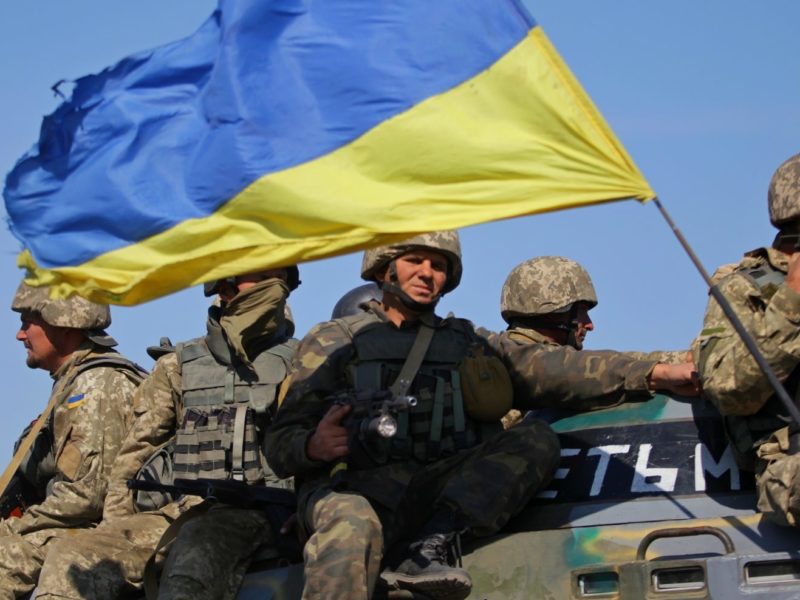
<point x="427" y="571"/>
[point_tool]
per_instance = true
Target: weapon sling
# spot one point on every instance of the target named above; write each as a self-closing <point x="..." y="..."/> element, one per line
<point x="26" y="444"/>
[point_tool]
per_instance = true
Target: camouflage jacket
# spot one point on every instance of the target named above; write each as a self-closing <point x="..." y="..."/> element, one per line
<point x="559" y="377"/>
<point x="92" y="415"/>
<point x="731" y="378"/>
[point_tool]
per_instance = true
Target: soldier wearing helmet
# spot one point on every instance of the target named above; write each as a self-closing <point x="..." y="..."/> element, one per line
<point x="61" y="482"/>
<point x="209" y="400"/>
<point x="361" y="492"/>
<point x="546" y="301"/>
<point x="552" y="296"/>
<point x="764" y="290"/>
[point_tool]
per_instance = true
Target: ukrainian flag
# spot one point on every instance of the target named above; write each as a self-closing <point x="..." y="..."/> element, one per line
<point x="288" y="130"/>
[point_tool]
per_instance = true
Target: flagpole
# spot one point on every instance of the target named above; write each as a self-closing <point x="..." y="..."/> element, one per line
<point x="748" y="340"/>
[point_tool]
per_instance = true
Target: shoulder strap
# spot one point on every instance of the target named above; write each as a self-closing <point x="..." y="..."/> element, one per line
<point x="188" y="351"/>
<point x="135" y="372"/>
<point x="25" y="445"/>
<point x="413" y="361"/>
<point x="285" y="350"/>
<point x="765" y="277"/>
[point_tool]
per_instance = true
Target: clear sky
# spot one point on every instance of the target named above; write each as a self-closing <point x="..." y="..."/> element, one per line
<point x="704" y="95"/>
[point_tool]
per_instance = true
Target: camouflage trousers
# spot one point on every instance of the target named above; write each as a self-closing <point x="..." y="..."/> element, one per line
<point x="207" y="560"/>
<point x="778" y="480"/>
<point x="102" y="563"/>
<point x="485" y="485"/>
<point x="22" y="557"/>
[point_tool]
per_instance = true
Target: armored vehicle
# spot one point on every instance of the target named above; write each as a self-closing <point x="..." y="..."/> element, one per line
<point x="648" y="503"/>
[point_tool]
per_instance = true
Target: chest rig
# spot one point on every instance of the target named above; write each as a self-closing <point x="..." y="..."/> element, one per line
<point x="438" y="425"/>
<point x="749" y="432"/>
<point x="226" y="408"/>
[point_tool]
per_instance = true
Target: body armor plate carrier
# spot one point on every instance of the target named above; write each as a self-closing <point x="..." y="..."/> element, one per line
<point x="438" y="425"/>
<point x="226" y="407"/>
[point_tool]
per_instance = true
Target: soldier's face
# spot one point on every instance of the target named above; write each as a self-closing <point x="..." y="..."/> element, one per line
<point x="42" y="341"/>
<point x="584" y="323"/>
<point x="421" y="274"/>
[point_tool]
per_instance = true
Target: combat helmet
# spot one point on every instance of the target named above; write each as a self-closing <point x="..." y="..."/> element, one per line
<point x="784" y="193"/>
<point x="74" y="312"/>
<point x="292" y="280"/>
<point x="444" y="242"/>
<point x="351" y="302"/>
<point x="545" y="285"/>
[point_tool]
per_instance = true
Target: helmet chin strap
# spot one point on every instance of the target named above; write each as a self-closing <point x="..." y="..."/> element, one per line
<point x="393" y="287"/>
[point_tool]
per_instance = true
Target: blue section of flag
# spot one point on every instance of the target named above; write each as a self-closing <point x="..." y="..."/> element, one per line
<point x="264" y="85"/>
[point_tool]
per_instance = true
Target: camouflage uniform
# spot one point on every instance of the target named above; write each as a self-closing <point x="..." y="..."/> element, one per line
<point x="547" y="285"/>
<point x="755" y="419"/>
<point x="207" y="560"/>
<point x="73" y="454"/>
<point x="769" y="309"/>
<point x="487" y="483"/>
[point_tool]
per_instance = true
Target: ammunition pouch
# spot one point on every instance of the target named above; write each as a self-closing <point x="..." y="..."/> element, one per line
<point x="220" y="443"/>
<point x="486" y="387"/>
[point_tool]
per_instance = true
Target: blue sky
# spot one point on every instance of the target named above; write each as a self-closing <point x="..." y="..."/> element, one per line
<point x="703" y="95"/>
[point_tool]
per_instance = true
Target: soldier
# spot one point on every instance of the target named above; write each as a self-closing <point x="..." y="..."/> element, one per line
<point x="546" y="300"/>
<point x="764" y="291"/>
<point x="90" y="410"/>
<point x="215" y="396"/>
<point x="449" y="468"/>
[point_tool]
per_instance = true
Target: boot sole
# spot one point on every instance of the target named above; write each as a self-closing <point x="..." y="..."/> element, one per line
<point x="453" y="586"/>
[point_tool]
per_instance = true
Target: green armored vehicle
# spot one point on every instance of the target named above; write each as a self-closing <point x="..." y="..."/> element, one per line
<point x="648" y="503"/>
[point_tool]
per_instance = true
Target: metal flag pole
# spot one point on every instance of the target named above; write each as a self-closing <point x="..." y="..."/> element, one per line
<point x="748" y="340"/>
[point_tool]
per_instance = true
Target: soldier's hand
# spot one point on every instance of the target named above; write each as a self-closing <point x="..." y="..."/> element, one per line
<point x="681" y="379"/>
<point x="793" y="274"/>
<point x="329" y="440"/>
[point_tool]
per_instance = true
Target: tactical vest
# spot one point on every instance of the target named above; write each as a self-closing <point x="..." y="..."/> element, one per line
<point x="748" y="432"/>
<point x="438" y="425"/>
<point x="226" y="407"/>
<point x="39" y="465"/>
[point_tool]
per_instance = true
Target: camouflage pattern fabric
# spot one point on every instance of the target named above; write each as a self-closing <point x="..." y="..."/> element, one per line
<point x="74" y="311"/>
<point x="487" y="485"/>
<point x="106" y="562"/>
<point x="343" y="556"/>
<point x="737" y="387"/>
<point x="545" y="285"/>
<point x="778" y="480"/>
<point x="731" y="377"/>
<point x="92" y="416"/>
<point x="157" y="411"/>
<point x="523" y="336"/>
<point x="212" y="552"/>
<point x="784" y="192"/>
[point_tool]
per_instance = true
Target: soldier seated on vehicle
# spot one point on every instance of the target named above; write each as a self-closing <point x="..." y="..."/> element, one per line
<point x="214" y="396"/>
<point x="764" y="291"/>
<point x="546" y="300"/>
<point x="62" y="480"/>
<point x="446" y="467"/>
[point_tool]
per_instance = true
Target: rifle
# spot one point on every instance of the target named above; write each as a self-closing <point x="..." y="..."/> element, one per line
<point x="374" y="414"/>
<point x="278" y="504"/>
<point x="224" y="491"/>
<point x="371" y="425"/>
